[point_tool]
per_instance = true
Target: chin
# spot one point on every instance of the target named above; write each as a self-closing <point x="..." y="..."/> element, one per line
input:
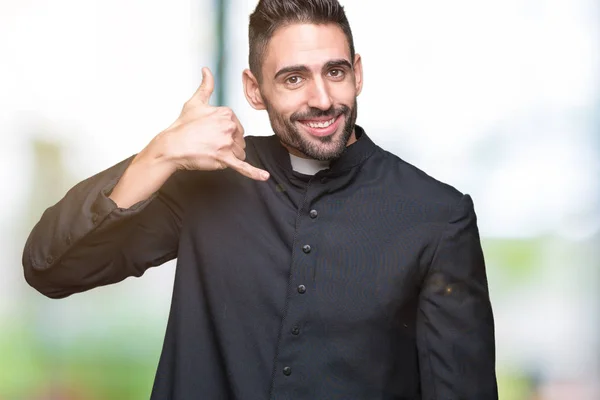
<point x="326" y="148"/>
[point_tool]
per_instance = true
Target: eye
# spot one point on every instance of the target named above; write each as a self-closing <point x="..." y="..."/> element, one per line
<point x="293" y="80"/>
<point x="336" y="73"/>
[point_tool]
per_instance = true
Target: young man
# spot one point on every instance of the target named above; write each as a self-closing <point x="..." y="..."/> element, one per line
<point x="312" y="264"/>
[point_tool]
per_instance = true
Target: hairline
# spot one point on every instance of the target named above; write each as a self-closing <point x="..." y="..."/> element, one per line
<point x="263" y="47"/>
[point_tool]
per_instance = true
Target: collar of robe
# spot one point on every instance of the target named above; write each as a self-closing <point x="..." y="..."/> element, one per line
<point x="353" y="156"/>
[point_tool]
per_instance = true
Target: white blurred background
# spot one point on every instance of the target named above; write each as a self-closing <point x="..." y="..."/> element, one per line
<point x="498" y="98"/>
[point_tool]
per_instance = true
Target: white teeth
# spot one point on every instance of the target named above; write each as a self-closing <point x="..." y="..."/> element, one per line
<point x="324" y="124"/>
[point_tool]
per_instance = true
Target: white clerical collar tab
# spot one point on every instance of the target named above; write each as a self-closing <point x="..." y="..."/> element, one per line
<point x="307" y="166"/>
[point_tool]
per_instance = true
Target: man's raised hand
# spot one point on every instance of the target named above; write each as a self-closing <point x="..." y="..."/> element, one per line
<point x="203" y="138"/>
<point x="207" y="138"/>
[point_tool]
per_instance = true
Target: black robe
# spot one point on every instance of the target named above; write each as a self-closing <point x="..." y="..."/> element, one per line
<point x="365" y="281"/>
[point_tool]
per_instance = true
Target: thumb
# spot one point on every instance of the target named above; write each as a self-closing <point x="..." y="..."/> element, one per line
<point x="205" y="90"/>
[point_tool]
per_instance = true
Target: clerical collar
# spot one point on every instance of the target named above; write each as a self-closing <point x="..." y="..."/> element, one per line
<point x="276" y="159"/>
<point x="307" y="166"/>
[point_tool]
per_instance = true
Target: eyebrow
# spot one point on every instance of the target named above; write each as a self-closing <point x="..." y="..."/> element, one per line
<point x="292" y="68"/>
<point x="303" y="68"/>
<point x="338" y="63"/>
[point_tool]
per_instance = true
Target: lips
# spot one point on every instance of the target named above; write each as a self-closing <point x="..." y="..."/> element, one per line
<point x="321" y="127"/>
<point x="319" y="124"/>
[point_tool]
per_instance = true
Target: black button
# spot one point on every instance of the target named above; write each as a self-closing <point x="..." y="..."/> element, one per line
<point x="301" y="289"/>
<point x="306" y="248"/>
<point x="313" y="214"/>
<point x="295" y="330"/>
<point x="324" y="179"/>
<point x="49" y="259"/>
<point x="287" y="371"/>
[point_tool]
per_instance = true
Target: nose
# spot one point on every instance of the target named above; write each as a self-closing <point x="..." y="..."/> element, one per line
<point x="319" y="96"/>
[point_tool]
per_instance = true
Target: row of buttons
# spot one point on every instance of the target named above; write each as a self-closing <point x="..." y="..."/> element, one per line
<point x="313" y="214"/>
<point x="287" y="371"/>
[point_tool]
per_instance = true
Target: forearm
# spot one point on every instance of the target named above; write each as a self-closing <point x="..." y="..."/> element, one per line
<point x="81" y="212"/>
<point x="146" y="174"/>
<point x="94" y="260"/>
<point x="128" y="218"/>
<point x="85" y="240"/>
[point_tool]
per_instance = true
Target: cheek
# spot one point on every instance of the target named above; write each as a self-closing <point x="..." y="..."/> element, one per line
<point x="289" y="103"/>
<point x="344" y="93"/>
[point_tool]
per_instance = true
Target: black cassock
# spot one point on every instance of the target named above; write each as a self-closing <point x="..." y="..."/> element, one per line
<point x="364" y="281"/>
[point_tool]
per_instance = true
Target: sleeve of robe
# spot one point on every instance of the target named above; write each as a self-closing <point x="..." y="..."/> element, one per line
<point x="455" y="325"/>
<point x="85" y="240"/>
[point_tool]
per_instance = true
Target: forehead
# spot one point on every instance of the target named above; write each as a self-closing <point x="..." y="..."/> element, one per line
<point x="305" y="44"/>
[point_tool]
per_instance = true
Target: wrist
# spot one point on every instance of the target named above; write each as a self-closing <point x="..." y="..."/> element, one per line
<point x="157" y="156"/>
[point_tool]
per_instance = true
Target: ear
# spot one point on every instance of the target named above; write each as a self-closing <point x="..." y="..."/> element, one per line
<point x="358" y="73"/>
<point x="252" y="90"/>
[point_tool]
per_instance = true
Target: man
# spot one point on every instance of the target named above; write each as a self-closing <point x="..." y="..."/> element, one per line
<point x="312" y="264"/>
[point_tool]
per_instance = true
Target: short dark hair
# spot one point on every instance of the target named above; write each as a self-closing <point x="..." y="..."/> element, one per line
<point x="272" y="14"/>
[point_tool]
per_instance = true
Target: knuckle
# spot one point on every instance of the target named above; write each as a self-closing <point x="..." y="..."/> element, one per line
<point x="225" y="112"/>
<point x="229" y="126"/>
<point x="188" y="104"/>
<point x="227" y="141"/>
<point x="221" y="156"/>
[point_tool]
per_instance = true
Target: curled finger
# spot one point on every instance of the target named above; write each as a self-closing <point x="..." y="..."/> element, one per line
<point x="238" y="151"/>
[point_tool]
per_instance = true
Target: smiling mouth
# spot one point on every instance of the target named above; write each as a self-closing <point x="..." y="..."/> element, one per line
<point x="322" y="128"/>
<point x="320" y="124"/>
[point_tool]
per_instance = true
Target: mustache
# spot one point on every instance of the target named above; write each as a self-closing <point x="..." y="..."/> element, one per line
<point x="318" y="113"/>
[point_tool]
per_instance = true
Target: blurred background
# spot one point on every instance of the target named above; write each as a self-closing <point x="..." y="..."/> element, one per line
<point x="500" y="98"/>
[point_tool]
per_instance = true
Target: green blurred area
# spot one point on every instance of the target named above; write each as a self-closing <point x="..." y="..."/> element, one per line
<point x="81" y="369"/>
<point x="98" y="370"/>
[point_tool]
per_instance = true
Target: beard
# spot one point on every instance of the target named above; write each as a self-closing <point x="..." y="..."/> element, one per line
<point x="327" y="148"/>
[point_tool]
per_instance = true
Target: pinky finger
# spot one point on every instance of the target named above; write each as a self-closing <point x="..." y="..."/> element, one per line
<point x="246" y="169"/>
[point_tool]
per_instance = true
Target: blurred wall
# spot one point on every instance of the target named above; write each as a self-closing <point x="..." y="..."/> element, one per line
<point x="84" y="84"/>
